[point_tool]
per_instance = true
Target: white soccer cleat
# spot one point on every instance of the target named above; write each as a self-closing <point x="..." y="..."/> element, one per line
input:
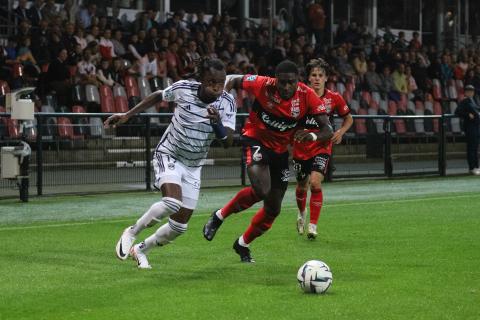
<point x="312" y="231"/>
<point x="301" y="223"/>
<point x="141" y="258"/>
<point x="475" y="171"/>
<point x="125" y="244"/>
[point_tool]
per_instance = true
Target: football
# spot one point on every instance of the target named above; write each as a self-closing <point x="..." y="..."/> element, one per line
<point x="314" y="276"/>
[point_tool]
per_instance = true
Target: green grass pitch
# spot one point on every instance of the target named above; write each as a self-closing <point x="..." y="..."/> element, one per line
<point x="398" y="249"/>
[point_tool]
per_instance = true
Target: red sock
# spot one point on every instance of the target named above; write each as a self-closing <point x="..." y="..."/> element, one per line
<point x="316" y="201"/>
<point x="244" y="199"/>
<point x="301" y="199"/>
<point x="261" y="222"/>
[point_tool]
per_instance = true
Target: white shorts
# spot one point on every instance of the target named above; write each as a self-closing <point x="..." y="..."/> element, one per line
<point x="169" y="170"/>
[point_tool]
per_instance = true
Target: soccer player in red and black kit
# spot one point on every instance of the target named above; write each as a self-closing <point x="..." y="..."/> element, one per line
<point x="311" y="158"/>
<point x="281" y="103"/>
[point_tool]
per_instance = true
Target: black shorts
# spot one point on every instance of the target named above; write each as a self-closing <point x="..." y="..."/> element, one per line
<point x="303" y="168"/>
<point x="257" y="153"/>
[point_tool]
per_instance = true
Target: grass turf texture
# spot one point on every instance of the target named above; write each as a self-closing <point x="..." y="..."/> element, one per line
<point x="402" y="249"/>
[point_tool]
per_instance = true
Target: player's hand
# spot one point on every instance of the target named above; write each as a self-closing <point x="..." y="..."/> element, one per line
<point x="302" y="136"/>
<point x="337" y="137"/>
<point x="115" y="120"/>
<point x="213" y="115"/>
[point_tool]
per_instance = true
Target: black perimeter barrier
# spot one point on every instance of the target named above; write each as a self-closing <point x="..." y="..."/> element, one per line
<point x="73" y="153"/>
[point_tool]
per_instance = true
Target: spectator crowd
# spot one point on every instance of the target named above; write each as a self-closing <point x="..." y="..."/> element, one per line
<point x="56" y="48"/>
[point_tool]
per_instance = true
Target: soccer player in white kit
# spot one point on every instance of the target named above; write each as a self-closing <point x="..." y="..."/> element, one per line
<point x="204" y="111"/>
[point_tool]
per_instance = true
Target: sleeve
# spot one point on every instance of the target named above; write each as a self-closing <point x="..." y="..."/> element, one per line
<point x="229" y="112"/>
<point x="171" y="93"/>
<point x="315" y="104"/>
<point x="341" y="106"/>
<point x="254" y="84"/>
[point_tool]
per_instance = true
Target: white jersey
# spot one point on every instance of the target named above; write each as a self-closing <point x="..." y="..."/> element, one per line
<point x="189" y="135"/>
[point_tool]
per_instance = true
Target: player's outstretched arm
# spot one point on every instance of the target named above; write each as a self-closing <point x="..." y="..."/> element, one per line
<point x="324" y="132"/>
<point x="120" y="118"/>
<point x="233" y="81"/>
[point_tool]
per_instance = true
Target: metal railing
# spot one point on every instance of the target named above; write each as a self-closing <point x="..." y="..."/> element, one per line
<point x="121" y="157"/>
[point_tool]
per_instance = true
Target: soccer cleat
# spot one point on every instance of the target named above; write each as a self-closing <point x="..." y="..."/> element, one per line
<point x="301" y="223"/>
<point x="211" y="227"/>
<point x="125" y="244"/>
<point x="312" y="231"/>
<point x="475" y="171"/>
<point x="243" y="252"/>
<point x="141" y="258"/>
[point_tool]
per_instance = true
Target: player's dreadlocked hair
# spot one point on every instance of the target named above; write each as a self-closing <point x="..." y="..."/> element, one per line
<point x="317" y="63"/>
<point x="286" y="66"/>
<point x="206" y="63"/>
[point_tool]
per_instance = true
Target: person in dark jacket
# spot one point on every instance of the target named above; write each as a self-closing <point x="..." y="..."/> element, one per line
<point x="469" y="111"/>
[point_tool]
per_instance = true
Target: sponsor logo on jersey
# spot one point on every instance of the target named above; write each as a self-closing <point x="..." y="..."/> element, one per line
<point x="171" y="166"/>
<point x="251" y="78"/>
<point x="167" y="95"/>
<point x="277" y="124"/>
<point x="311" y="122"/>
<point x="229" y="115"/>
<point x="295" y="110"/>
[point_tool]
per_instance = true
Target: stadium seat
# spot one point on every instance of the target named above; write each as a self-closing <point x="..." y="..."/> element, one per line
<point x="92" y="94"/>
<point x="78" y="94"/>
<point x="383" y="105"/>
<point x="13" y="128"/>
<point x="80" y="124"/>
<point x="51" y="100"/>
<point x="44" y="67"/>
<point x="367" y="97"/>
<point x="121" y="104"/>
<point x="65" y="129"/>
<point x="96" y="127"/>
<point x="452" y="90"/>
<point x="340" y="88"/>
<point x="93" y="98"/>
<point x="119" y="90"/>
<point x="156" y="83"/>
<point x="144" y="87"/>
<point x="437" y="90"/>
<point x="131" y="87"/>
<point x="437" y="110"/>
<point x="107" y="104"/>
<point x="361" y="124"/>
<point x="354" y="105"/>
<point x="347" y="96"/>
<point x="4" y="89"/>
<point x="454" y="122"/>
<point x="17" y="70"/>
<point x="419" y="111"/>
<point x="459" y="85"/>
<point x="378" y="123"/>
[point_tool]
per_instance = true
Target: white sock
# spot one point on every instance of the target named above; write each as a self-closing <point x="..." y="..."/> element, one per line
<point x="164" y="208"/>
<point x="165" y="234"/>
<point x="241" y="242"/>
<point x="219" y="214"/>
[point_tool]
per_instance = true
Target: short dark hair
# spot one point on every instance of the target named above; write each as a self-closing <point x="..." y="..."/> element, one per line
<point x="317" y="63"/>
<point x="207" y="63"/>
<point x="286" y="66"/>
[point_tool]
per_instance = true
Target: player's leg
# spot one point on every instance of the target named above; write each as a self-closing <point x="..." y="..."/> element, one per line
<point x="319" y="169"/>
<point x="176" y="226"/>
<point x="258" y="173"/>
<point x="302" y="173"/>
<point x="264" y="218"/>
<point x="178" y="222"/>
<point x="168" y="179"/>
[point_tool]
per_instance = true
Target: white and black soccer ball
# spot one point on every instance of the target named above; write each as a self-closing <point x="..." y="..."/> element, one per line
<point x="314" y="276"/>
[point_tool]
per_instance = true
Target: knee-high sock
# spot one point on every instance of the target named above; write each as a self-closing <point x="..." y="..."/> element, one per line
<point x="301" y="196"/>
<point x="316" y="202"/>
<point x="162" y="209"/>
<point x="164" y="235"/>
<point x="244" y="199"/>
<point x="261" y="223"/>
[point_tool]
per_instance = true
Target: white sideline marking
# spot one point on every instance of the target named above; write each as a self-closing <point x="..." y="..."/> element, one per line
<point x="74" y="224"/>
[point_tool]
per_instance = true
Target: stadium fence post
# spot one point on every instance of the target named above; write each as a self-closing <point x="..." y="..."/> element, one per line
<point x="39" y="142"/>
<point x="388" y="166"/>
<point x="147" y="154"/>
<point x="442" y="150"/>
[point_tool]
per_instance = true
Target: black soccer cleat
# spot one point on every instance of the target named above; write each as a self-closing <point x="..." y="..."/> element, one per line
<point x="210" y="228"/>
<point x="243" y="252"/>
